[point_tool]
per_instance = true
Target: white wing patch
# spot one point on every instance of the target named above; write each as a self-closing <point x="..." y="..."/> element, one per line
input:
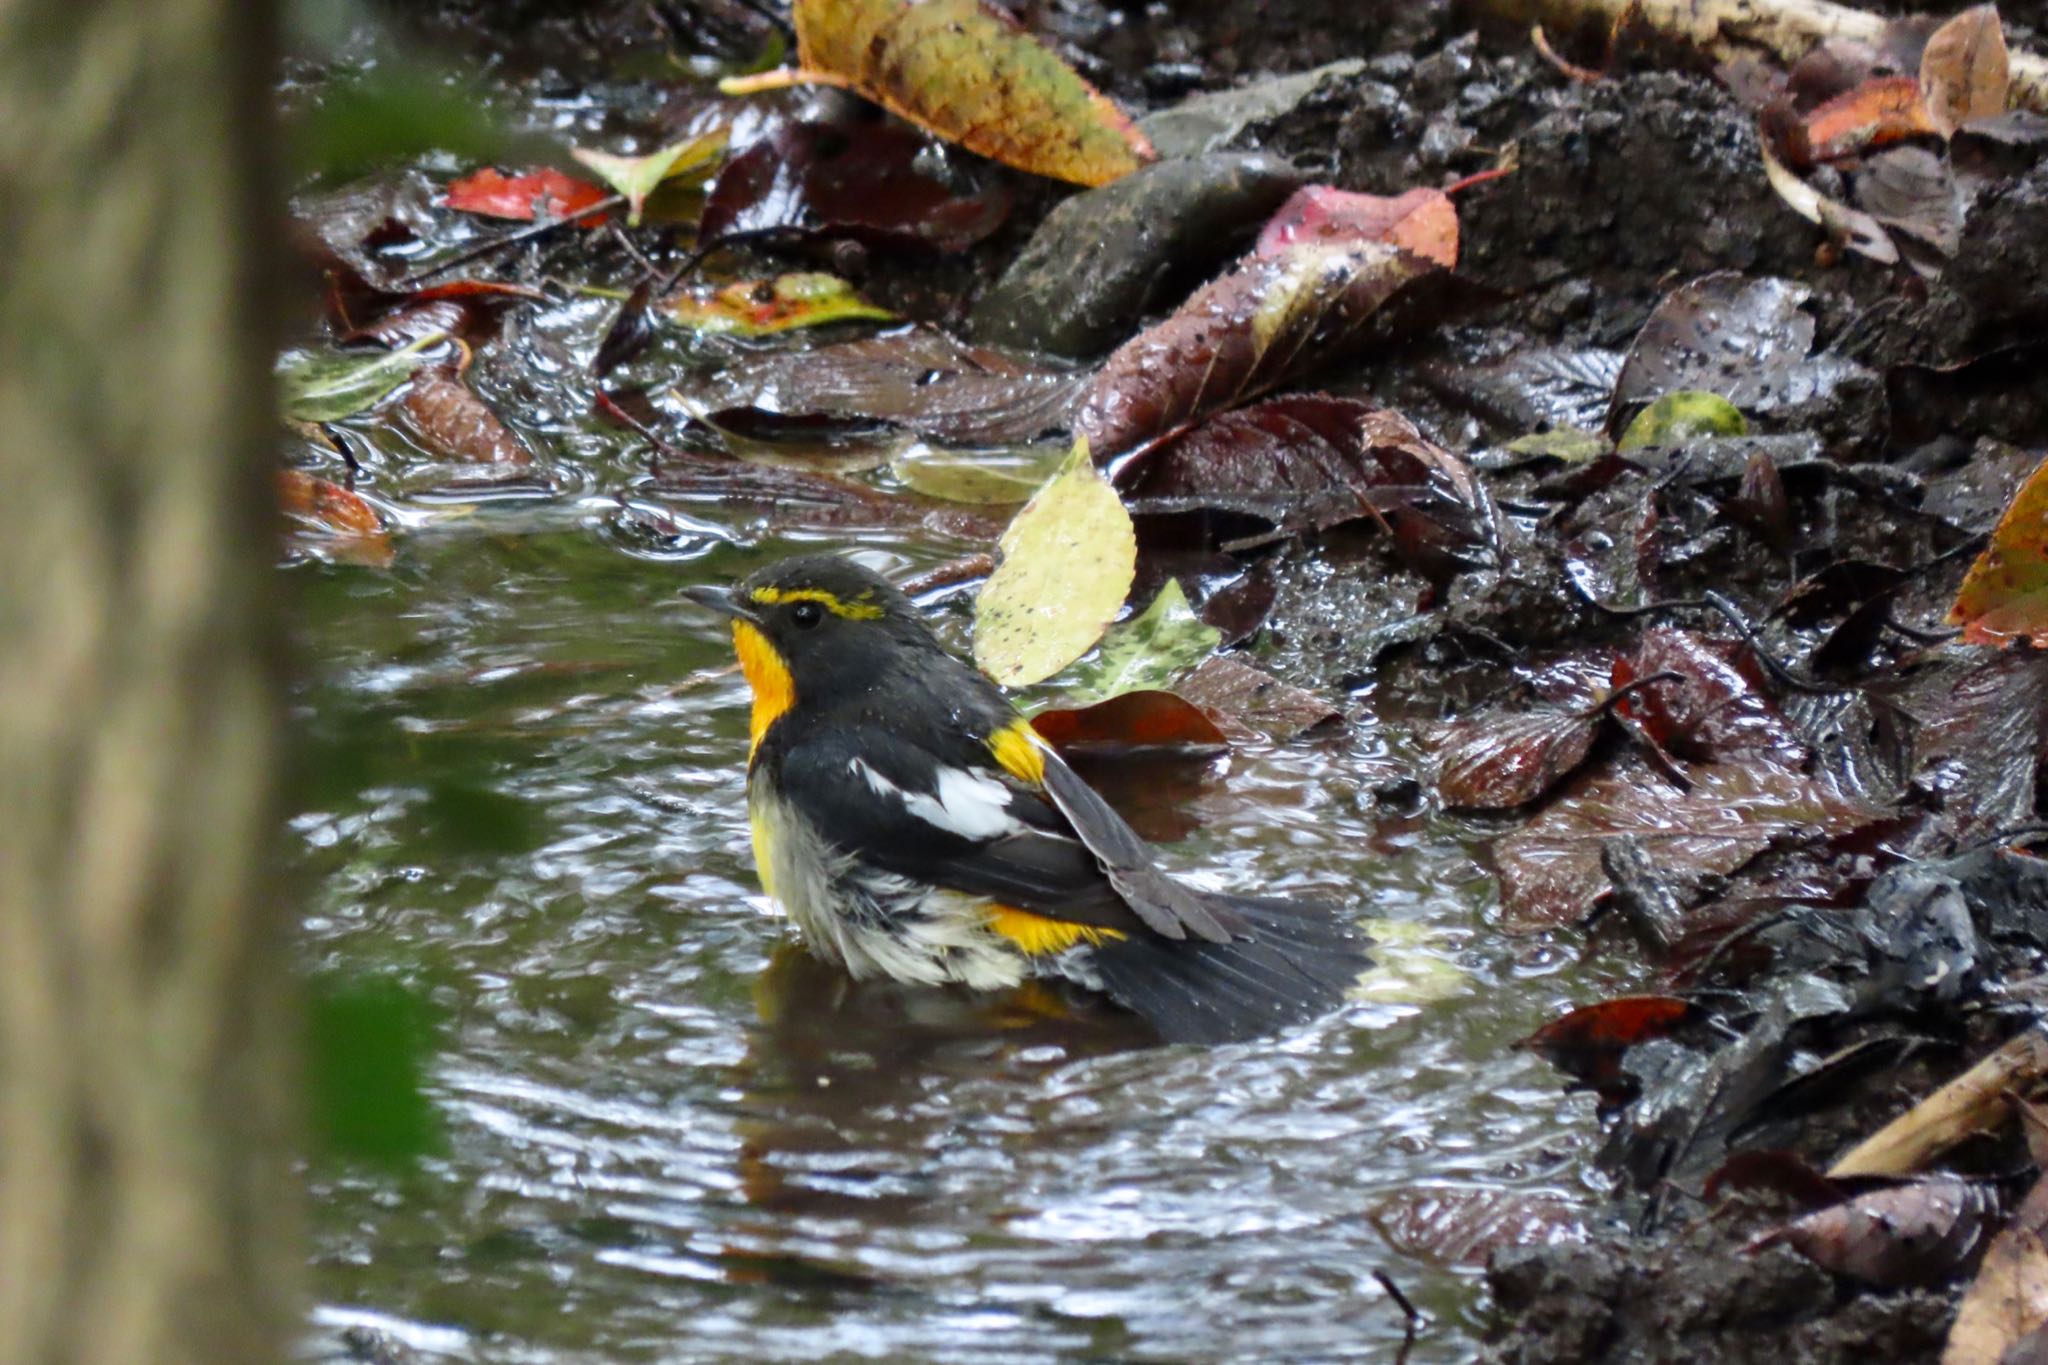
<point x="973" y="805"/>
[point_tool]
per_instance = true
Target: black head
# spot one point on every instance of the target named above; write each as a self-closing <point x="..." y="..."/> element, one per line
<point x="830" y="623"/>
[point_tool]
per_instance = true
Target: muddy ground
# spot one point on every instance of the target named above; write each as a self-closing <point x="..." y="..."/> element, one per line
<point x="1900" y="455"/>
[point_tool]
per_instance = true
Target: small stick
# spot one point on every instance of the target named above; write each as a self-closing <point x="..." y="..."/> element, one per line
<point x="1584" y="74"/>
<point x="954" y="571"/>
<point x="1972" y="1103"/>
<point x="527" y="233"/>
<point x="1415" y="1321"/>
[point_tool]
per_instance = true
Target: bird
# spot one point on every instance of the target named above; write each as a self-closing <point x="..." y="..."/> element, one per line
<point x="911" y="823"/>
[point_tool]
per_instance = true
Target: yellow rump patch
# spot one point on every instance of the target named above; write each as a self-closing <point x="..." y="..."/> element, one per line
<point x="1037" y="936"/>
<point x="1018" y="749"/>
<point x="860" y="609"/>
<point x="774" y="690"/>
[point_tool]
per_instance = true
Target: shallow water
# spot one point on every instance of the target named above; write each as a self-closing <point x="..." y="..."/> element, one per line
<point x="671" y="1136"/>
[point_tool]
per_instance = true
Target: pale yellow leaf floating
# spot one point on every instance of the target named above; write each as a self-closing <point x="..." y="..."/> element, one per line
<point x="969" y="75"/>
<point x="1067" y="563"/>
<point x="637" y="176"/>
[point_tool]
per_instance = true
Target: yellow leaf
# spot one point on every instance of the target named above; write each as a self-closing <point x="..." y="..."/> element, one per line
<point x="637" y="176"/>
<point x="1067" y="563"/>
<point x="2005" y="594"/>
<point x="972" y="77"/>
<point x="754" y="308"/>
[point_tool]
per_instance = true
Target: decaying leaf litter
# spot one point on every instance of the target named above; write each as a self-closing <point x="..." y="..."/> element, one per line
<point x="1641" y="508"/>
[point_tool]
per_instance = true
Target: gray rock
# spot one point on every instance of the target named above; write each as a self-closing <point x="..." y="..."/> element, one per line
<point x="1100" y="259"/>
<point x="1210" y="123"/>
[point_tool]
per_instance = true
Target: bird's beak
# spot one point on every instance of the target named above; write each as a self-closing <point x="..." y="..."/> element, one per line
<point x="721" y="600"/>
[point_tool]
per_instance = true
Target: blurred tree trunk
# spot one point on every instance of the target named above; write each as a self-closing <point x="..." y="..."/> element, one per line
<point x="147" y="1212"/>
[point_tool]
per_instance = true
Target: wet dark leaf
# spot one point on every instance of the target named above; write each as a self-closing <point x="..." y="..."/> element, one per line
<point x="1266" y="321"/>
<point x="1499" y="760"/>
<point x="1925" y="1233"/>
<point x="1911" y="190"/>
<point x="1550" y="871"/>
<point x="1786" y="1175"/>
<point x="1237" y="693"/>
<point x="1535" y="390"/>
<point x="1146" y="719"/>
<point x="880" y="183"/>
<point x="1309" y="462"/>
<point x="447" y="418"/>
<point x="416" y="322"/>
<point x="1452" y="1226"/>
<point x="917" y="378"/>
<point x="1423" y="221"/>
<point x="494" y="194"/>
<point x="1715" y="710"/>
<point x="1979" y="743"/>
<point x="1760" y="502"/>
<point x="1588" y="1042"/>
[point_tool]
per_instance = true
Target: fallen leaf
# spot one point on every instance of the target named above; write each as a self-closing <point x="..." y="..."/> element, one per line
<point x="1452" y="1226"/>
<point x="1496" y="761"/>
<point x="1423" y="221"/>
<point x="354" y="532"/>
<point x="753" y="308"/>
<point x="1715" y="710"/>
<point x="1784" y="1174"/>
<point x="1144" y="719"/>
<point x="494" y="194"/>
<point x="1238" y="336"/>
<point x="1236" y="693"/>
<point x="1067" y="560"/>
<point x="1977" y="750"/>
<point x="1307" y="462"/>
<point x="1550" y="869"/>
<point x="2008" y="1301"/>
<point x="882" y="185"/>
<point x="2005" y="594"/>
<point x="1875" y="114"/>
<point x="981" y="477"/>
<point x="401" y="327"/>
<point x="972" y="76"/>
<point x="1587" y="1042"/>
<point x="918" y="378"/>
<point x="1965" y="71"/>
<point x="324" y="386"/>
<point x="637" y="176"/>
<point x="1147" y="651"/>
<point x="1678" y="418"/>
<point x="451" y="422"/>
<point x="1852" y="228"/>
<point x="1923" y="1233"/>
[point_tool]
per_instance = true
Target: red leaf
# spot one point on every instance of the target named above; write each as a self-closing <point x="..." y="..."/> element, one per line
<point x="1146" y="719"/>
<point x="1422" y="221"/>
<point x="1714" y="711"/>
<point x="1589" y="1041"/>
<point x="496" y="195"/>
<point x="1496" y="761"/>
<point x="1235" y="692"/>
<point x="1875" y="114"/>
<point x="1238" y="336"/>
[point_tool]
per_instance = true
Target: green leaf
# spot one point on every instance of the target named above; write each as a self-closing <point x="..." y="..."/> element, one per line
<point x="756" y="308"/>
<point x="1411" y="965"/>
<point x="1148" y="651"/>
<point x="367" y="1045"/>
<point x="982" y="477"/>
<point x="636" y="176"/>
<point x="1067" y="562"/>
<point x="321" y="386"/>
<point x="1683" y="416"/>
<point x="1562" y="443"/>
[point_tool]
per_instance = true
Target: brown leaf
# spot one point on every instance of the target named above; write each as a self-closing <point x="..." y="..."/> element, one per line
<point x="1918" y="1234"/>
<point x="1785" y="1174"/>
<point x="1235" y="692"/>
<point x="1453" y="1226"/>
<point x="1589" y="1042"/>
<point x="1550" y="871"/>
<point x="415" y="322"/>
<point x="1715" y="710"/>
<point x="1497" y="761"/>
<point x="1964" y="70"/>
<point x="452" y="423"/>
<point x="1145" y="719"/>
<point x="1260" y="324"/>
<point x="353" y="533"/>
<point x="2008" y="1302"/>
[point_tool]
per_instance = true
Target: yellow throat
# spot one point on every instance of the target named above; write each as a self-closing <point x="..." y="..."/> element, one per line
<point x="768" y="677"/>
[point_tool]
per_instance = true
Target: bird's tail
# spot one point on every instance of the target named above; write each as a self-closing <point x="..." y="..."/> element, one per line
<point x="1289" y="963"/>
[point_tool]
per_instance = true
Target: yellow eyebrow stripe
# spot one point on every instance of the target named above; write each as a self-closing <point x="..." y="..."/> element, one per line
<point x="858" y="610"/>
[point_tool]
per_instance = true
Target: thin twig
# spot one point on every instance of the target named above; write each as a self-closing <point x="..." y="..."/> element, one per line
<point x="953" y="572"/>
<point x="496" y="244"/>
<point x="1413" y="1319"/>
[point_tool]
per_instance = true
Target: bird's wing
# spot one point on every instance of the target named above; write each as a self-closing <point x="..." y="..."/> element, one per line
<point x="1024" y="831"/>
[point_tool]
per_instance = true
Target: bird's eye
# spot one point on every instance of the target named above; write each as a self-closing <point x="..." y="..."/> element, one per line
<point x="807" y="614"/>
